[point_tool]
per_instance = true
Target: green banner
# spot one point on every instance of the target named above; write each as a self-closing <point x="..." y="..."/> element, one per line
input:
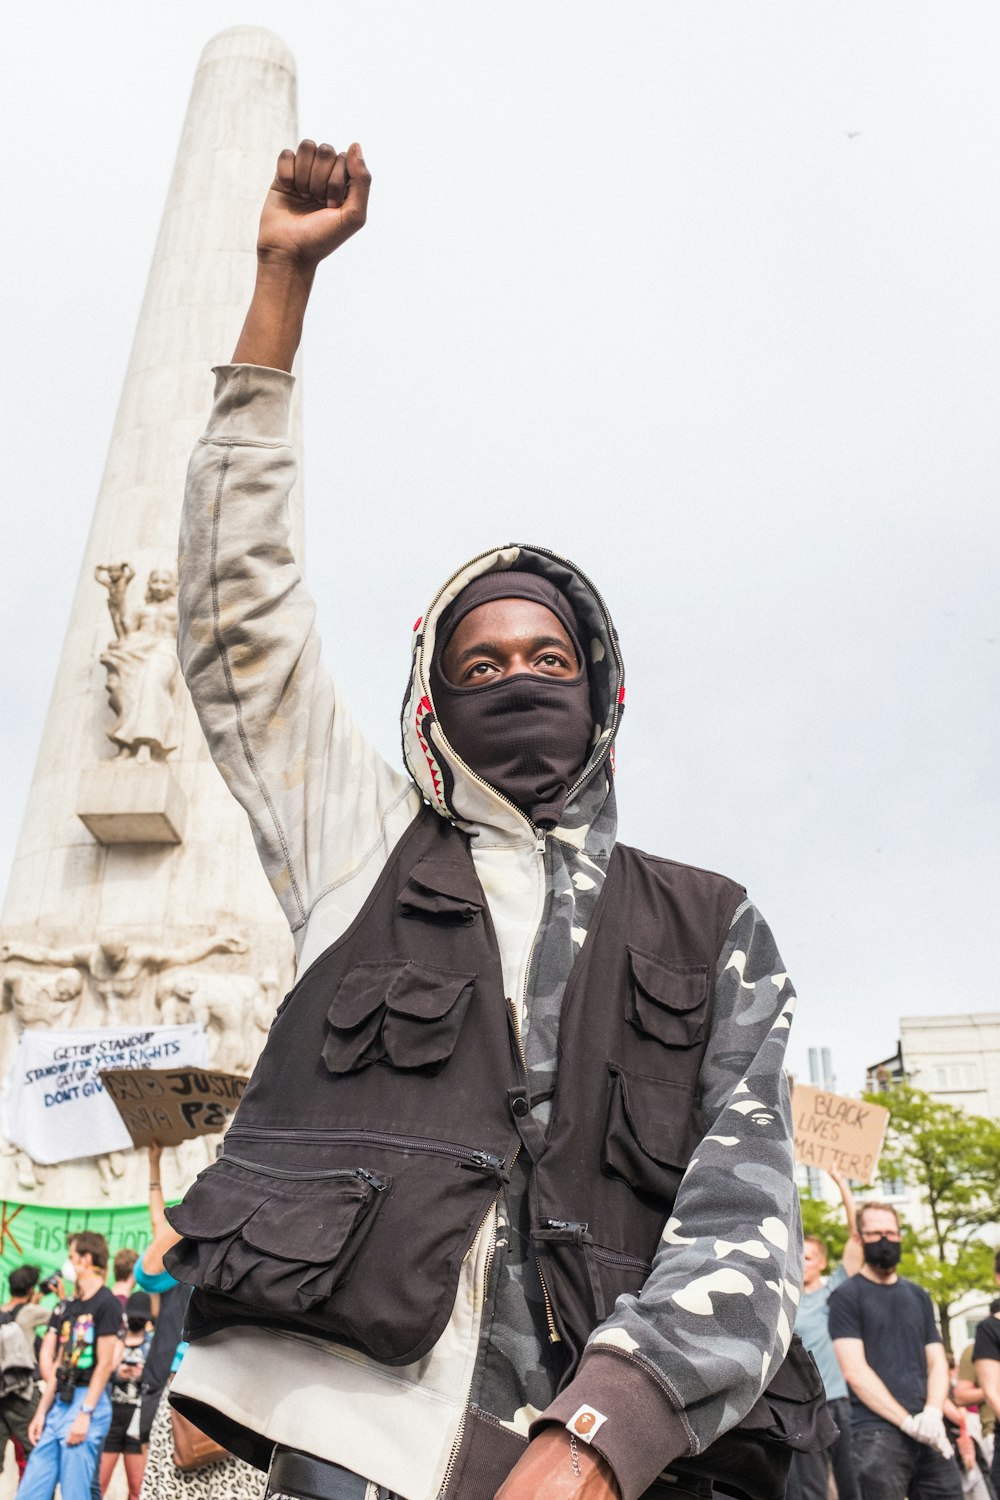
<point x="35" y="1236"/>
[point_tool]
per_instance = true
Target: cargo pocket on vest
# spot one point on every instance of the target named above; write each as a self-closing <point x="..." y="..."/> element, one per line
<point x="278" y="1241"/>
<point x="401" y="1012"/>
<point x="667" y="1000"/>
<point x="444" y="891"/>
<point x="653" y="1128"/>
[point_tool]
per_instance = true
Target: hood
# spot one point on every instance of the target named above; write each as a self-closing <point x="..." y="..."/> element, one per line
<point x="444" y="780"/>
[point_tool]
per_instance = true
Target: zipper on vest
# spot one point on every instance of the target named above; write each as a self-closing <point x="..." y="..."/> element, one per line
<point x="619" y="1258"/>
<point x="460" y="1434"/>
<point x="359" y="1172"/>
<point x="468" y="1156"/>
<point x="554" y="1335"/>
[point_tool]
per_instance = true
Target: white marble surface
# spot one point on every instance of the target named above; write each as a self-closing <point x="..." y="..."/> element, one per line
<point x="66" y="889"/>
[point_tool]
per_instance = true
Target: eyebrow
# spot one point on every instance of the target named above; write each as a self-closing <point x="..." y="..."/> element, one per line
<point x="495" y="648"/>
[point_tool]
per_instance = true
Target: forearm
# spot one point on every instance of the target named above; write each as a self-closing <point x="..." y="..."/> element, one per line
<point x="157" y="1217"/>
<point x="938" y="1380"/>
<point x="48" y="1396"/>
<point x="272" y="330"/>
<point x="875" y="1394"/>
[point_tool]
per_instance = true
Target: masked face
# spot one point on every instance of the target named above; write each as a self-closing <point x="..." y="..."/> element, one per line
<point x="514" y="701"/>
<point x="883" y="1253"/>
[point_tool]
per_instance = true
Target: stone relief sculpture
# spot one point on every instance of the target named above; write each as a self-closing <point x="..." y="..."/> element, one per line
<point x="141" y="663"/>
<point x="53" y="1001"/>
<point x="235" y="1009"/>
<point x="117" y="967"/>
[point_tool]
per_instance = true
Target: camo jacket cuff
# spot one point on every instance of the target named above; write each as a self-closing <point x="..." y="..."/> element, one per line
<point x="618" y="1406"/>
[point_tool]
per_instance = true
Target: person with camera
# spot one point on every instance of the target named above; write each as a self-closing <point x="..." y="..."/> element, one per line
<point x="74" y="1414"/>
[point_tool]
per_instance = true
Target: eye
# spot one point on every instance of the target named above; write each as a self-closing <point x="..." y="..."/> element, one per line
<point x="555" y="661"/>
<point x="479" y="670"/>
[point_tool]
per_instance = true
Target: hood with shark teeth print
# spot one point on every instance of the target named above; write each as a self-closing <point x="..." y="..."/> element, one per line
<point x="453" y="788"/>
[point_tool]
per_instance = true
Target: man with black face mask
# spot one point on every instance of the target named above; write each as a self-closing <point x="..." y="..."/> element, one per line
<point x="893" y="1360"/>
<point x="509" y="1204"/>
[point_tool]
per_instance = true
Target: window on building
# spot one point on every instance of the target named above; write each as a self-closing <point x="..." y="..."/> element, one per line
<point x="955" y="1076"/>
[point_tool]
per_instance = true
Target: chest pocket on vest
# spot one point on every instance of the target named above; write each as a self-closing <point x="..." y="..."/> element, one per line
<point x="667" y="1000"/>
<point x="397" y="1011"/>
<point x="653" y="1129"/>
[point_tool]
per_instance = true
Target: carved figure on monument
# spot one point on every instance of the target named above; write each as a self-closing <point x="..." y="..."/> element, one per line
<point x="235" y="1009"/>
<point x="50" y="1002"/>
<point x="141" y="662"/>
<point x="117" y="966"/>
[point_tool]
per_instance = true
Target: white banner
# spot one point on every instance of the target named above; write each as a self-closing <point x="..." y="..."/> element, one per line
<point x="55" y="1106"/>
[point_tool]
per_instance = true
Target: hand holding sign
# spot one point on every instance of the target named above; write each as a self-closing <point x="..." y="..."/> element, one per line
<point x="170" y="1105"/>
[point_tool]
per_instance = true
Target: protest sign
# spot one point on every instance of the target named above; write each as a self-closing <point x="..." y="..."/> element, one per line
<point x="171" y="1105"/>
<point x="55" y="1106"/>
<point x="833" y="1131"/>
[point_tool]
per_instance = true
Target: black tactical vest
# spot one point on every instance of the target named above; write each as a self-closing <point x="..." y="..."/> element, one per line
<point x="391" y="1098"/>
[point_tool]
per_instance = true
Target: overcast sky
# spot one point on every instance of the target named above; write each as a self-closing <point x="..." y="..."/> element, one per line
<point x="704" y="295"/>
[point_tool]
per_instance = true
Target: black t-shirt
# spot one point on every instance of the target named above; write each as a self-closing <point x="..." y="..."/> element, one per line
<point x="79" y="1323"/>
<point x="895" y="1323"/>
<point x="987" y="1345"/>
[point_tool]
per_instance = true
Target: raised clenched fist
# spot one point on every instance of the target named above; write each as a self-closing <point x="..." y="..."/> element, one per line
<point x="318" y="199"/>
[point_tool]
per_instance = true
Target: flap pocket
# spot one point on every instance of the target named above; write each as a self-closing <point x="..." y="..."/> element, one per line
<point x="667" y="999"/>
<point x="443" y="890"/>
<point x="355" y="1016"/>
<point x="291" y="1237"/>
<point x="310" y="1226"/>
<point x="360" y="993"/>
<point x="426" y="1010"/>
<point x="217" y="1203"/>
<point x="653" y="1128"/>
<point x="398" y="1011"/>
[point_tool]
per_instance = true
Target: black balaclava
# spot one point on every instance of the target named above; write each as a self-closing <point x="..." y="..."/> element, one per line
<point x="526" y="735"/>
<point x="883" y="1253"/>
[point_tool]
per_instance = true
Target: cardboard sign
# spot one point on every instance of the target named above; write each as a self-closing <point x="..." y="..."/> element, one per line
<point x="831" y="1131"/>
<point x="171" y="1105"/>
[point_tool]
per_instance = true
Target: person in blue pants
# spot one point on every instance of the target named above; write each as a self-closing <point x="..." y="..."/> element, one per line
<point x="74" y="1414"/>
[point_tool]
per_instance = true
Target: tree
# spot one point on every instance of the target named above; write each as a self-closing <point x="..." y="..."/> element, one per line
<point x="953" y="1159"/>
<point x="825" y="1220"/>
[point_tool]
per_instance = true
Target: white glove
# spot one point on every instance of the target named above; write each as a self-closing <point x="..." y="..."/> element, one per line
<point x="928" y="1427"/>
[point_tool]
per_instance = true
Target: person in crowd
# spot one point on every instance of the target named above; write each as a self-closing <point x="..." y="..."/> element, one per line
<point x="74" y="1413"/>
<point x="25" y="1301"/>
<point x="226" y="1478"/>
<point x="808" y="1477"/>
<point x="890" y="1351"/>
<point x="125" y="1389"/>
<point x="124" y="1282"/>
<point x="986" y="1362"/>
<point x="18" y="1387"/>
<point x="968" y="1392"/>
<point x="564" y="1056"/>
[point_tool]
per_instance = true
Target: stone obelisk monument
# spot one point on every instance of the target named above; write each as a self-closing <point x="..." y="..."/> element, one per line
<point x="136" y="896"/>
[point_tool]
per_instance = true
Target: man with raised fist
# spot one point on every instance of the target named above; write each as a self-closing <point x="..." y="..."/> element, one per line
<point x="508" y="1206"/>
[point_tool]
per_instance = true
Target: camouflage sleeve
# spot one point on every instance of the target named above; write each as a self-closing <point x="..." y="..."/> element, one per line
<point x="320" y="799"/>
<point x="678" y="1365"/>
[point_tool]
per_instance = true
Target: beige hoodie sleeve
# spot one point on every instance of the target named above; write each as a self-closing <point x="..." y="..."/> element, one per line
<point x="324" y="806"/>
